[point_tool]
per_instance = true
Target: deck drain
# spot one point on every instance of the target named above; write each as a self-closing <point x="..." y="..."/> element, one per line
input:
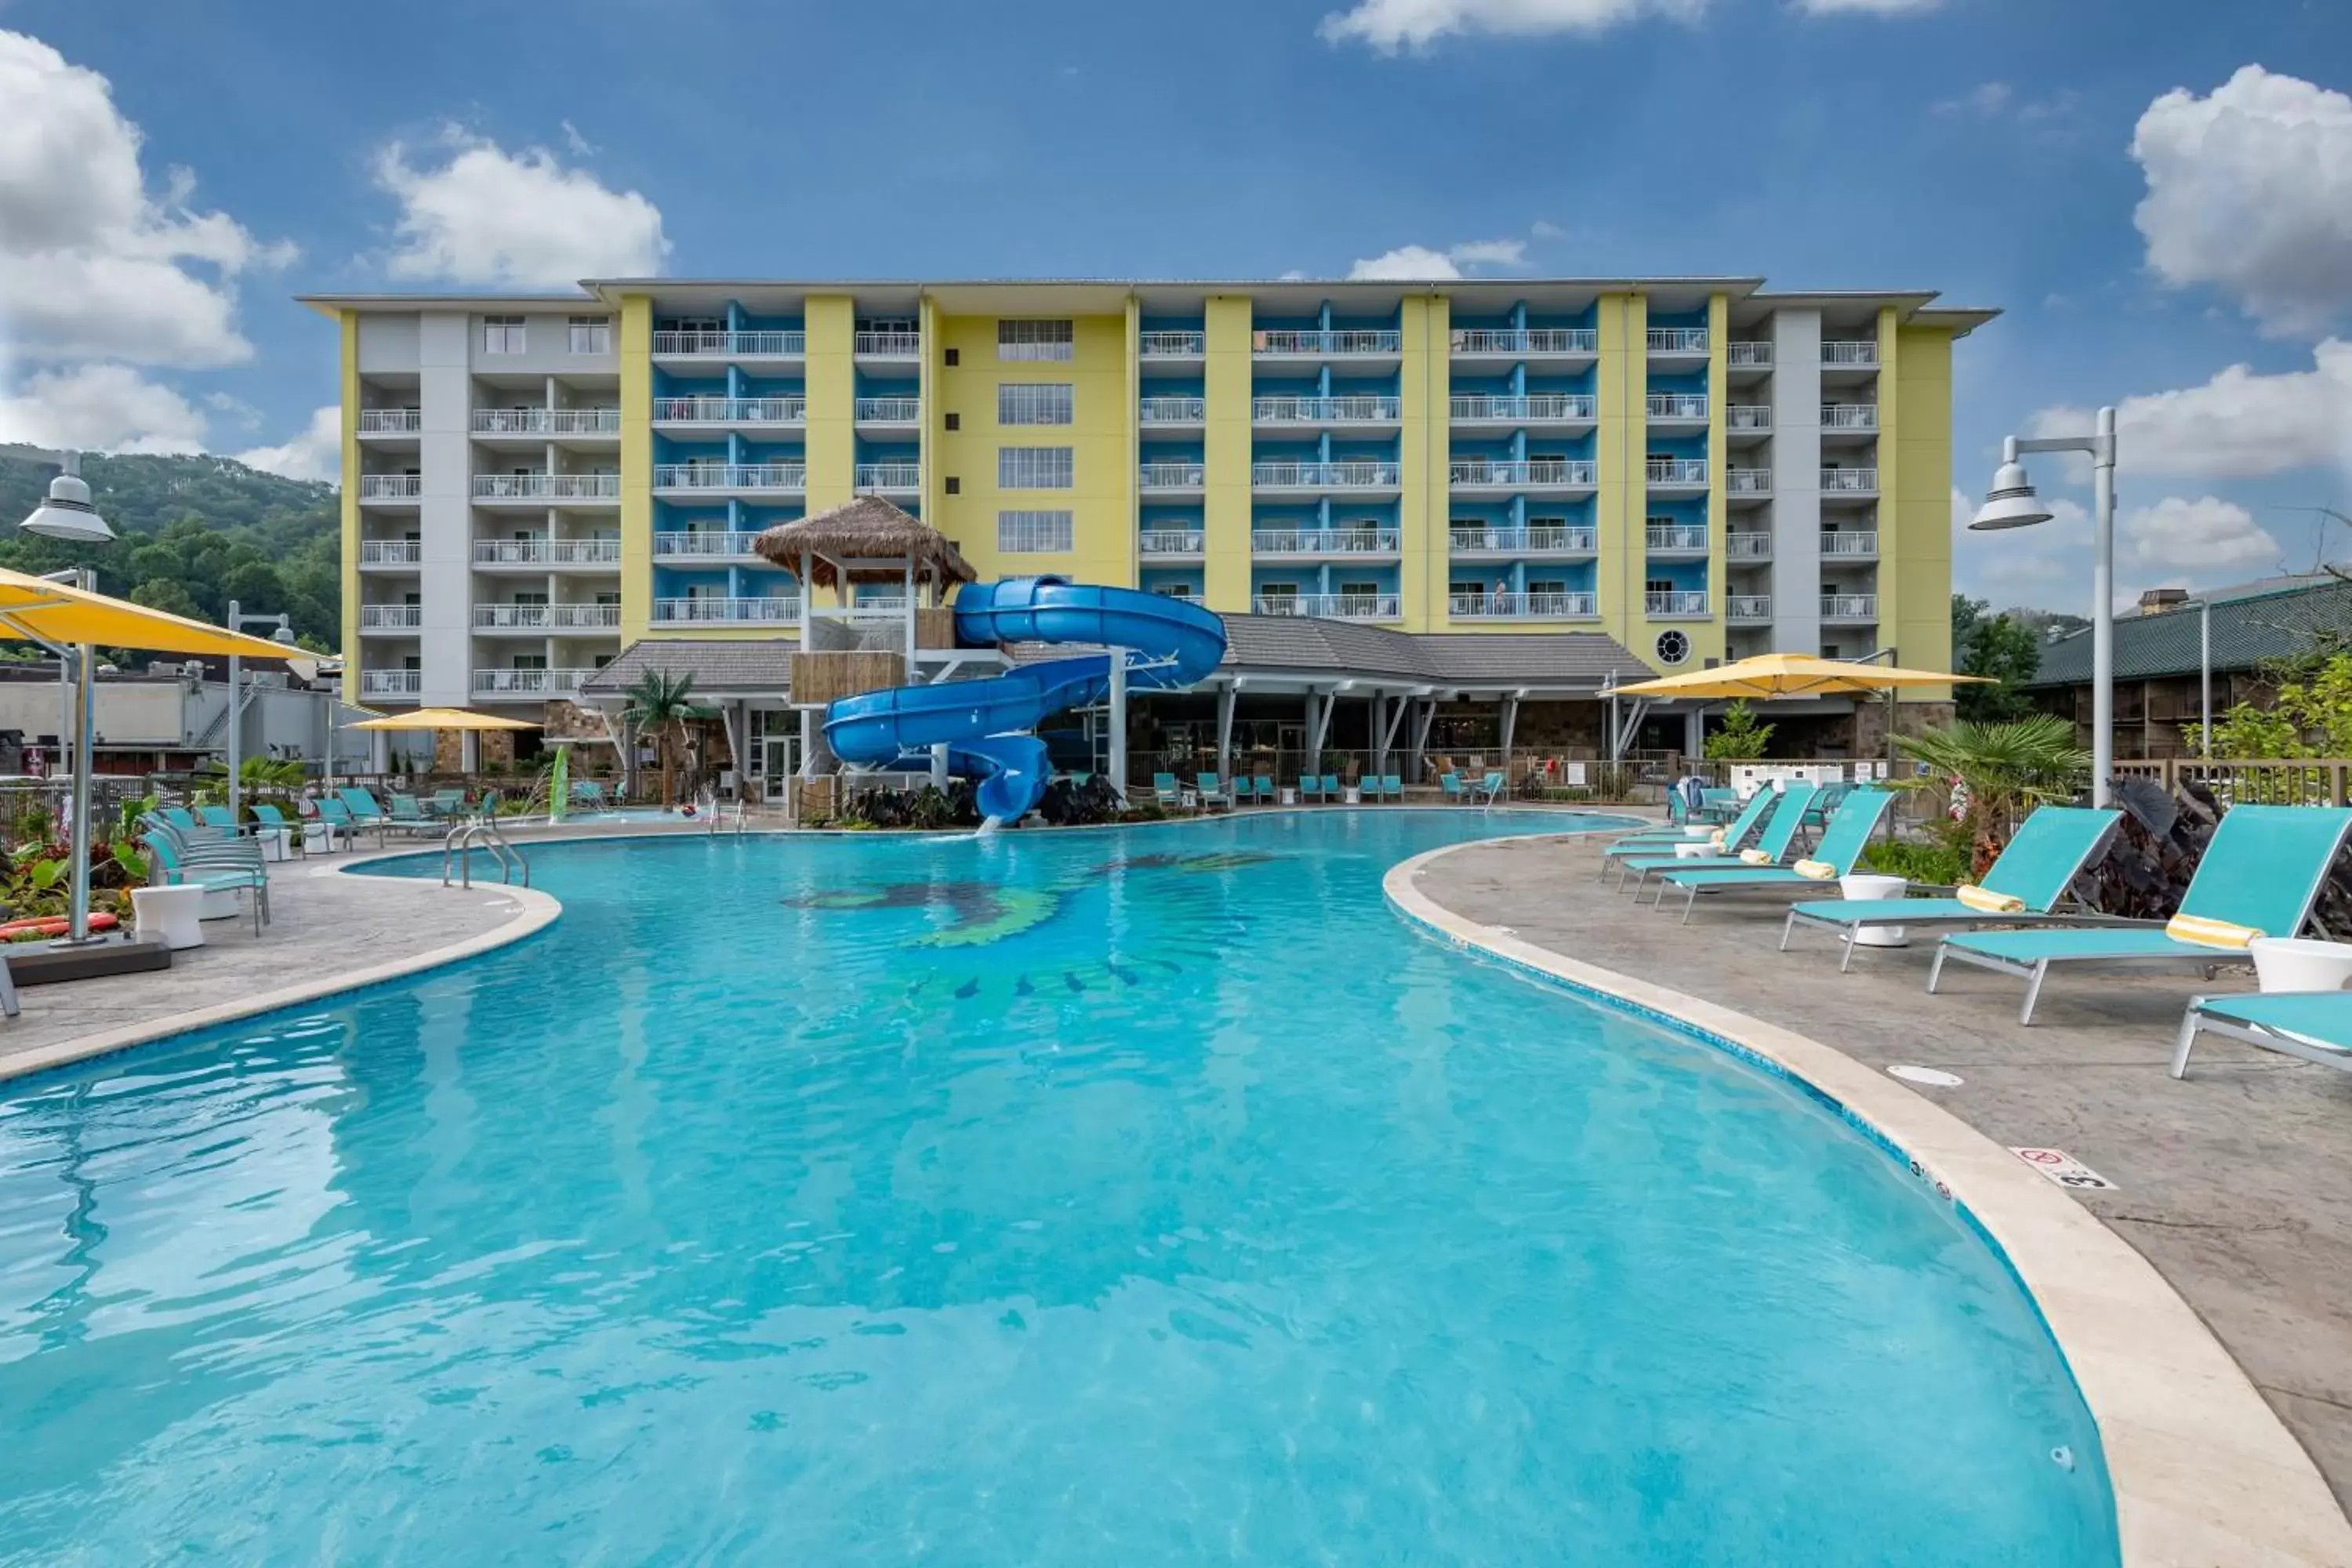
<point x="1936" y="1077"/>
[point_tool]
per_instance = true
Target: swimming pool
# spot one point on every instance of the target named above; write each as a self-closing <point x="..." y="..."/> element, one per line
<point x="1147" y="1196"/>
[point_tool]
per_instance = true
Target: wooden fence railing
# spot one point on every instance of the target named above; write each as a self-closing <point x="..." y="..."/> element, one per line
<point x="2320" y="781"/>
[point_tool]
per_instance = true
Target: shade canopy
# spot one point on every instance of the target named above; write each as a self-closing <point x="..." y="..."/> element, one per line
<point x="882" y="538"/>
<point x="1771" y="675"/>
<point x="34" y="609"/>
<point x="440" y="719"/>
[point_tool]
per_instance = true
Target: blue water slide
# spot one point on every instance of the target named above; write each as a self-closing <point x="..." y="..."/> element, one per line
<point x="985" y="723"/>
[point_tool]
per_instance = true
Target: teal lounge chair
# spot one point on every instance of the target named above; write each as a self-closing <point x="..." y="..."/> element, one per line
<point x="2049" y="851"/>
<point x="179" y="866"/>
<point x="270" y="815"/>
<point x="2313" y="1025"/>
<point x="362" y="805"/>
<point x="1393" y="787"/>
<point x="1488" y="789"/>
<point x="1211" y="787"/>
<point x="1166" y="790"/>
<point x="408" y="815"/>
<point x="1785" y="813"/>
<point x="1451" y="787"/>
<point x="1331" y="795"/>
<point x="1718" y="804"/>
<point x="216" y="816"/>
<point x="451" y="802"/>
<point x="339" y="820"/>
<point x="1841" y="844"/>
<point x="2262" y="870"/>
<point x="1661" y="841"/>
<point x="180" y="818"/>
<point x="1266" y="791"/>
<point x="1309" y="787"/>
<point x="1825" y="804"/>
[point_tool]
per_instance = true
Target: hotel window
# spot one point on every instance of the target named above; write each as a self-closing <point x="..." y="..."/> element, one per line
<point x="1032" y="532"/>
<point x="1544" y="588"/>
<point x="502" y="334"/>
<point x="1033" y="403"/>
<point x="591" y="335"/>
<point x="1277" y="598"/>
<point x="1034" y="468"/>
<point x="1174" y="590"/>
<point x="1658" y="586"/>
<point x="1465" y="590"/>
<point x="1363" y="594"/>
<point x="1035" y="340"/>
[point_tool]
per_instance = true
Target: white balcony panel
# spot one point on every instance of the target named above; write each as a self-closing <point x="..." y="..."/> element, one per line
<point x="1678" y="340"/>
<point x="1508" y="607"/>
<point x="1356" y="474"/>
<point x="1172" y="344"/>
<point x="1510" y="541"/>
<point x="1747" y="544"/>
<point x="585" y="617"/>
<point x="1679" y="604"/>
<point x="889" y="410"/>
<point x="787" y="478"/>
<point x="887" y="346"/>
<point x="708" y="545"/>
<point x="1325" y="410"/>
<point x="1165" y="543"/>
<point x="1340" y="541"/>
<point x="1677" y="471"/>
<point x="1859" y="354"/>
<point x="1849" y="543"/>
<point x="1350" y="340"/>
<point x="1748" y="482"/>
<point x="1849" y="416"/>
<point x="889" y="476"/>
<point x="1535" y="409"/>
<point x="391" y="487"/>
<point x="529" y="683"/>
<point x="1850" y="482"/>
<point x="1331" y="607"/>
<point x="732" y="345"/>
<point x="391" y="617"/>
<point x="1748" y="607"/>
<point x="772" y="610"/>
<point x="1164" y="476"/>
<point x="391" y="553"/>
<point x="1849" y="606"/>
<point x="1748" y="355"/>
<point x="1512" y="341"/>
<point x="1678" y="408"/>
<point x="722" y="411"/>
<point x="512" y="618"/>
<point x="1532" y="473"/>
<point x="392" y="682"/>
<point x="391" y="421"/>
<point x="1742" y="416"/>
<point x="1676" y="539"/>
<point x="1174" y="410"/>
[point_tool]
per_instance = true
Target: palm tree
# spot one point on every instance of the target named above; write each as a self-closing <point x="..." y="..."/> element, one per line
<point x="1998" y="773"/>
<point x="656" y="704"/>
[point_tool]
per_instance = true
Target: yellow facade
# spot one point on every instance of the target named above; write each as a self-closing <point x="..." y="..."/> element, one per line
<point x="1915" y="507"/>
<point x="832" y="430"/>
<point x="1622" y="454"/>
<point x="348" y="325"/>
<point x="637" y="344"/>
<point x="1422" y="453"/>
<point x="1227" y="382"/>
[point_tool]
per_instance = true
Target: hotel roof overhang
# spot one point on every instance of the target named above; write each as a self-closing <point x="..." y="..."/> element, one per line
<point x="721" y="669"/>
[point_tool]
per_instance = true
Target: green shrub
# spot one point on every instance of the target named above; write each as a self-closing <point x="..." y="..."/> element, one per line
<point x="1941" y="865"/>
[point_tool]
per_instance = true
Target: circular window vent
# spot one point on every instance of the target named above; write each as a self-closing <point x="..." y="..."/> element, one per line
<point x="1673" y="647"/>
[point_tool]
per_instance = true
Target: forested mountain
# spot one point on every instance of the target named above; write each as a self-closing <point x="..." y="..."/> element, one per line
<point x="194" y="532"/>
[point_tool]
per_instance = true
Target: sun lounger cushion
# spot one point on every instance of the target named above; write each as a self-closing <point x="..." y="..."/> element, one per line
<point x="2207" y="931"/>
<point x="1985" y="900"/>
<point x="1818" y="870"/>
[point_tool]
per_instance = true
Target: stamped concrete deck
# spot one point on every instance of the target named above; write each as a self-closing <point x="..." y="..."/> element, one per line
<point x="2235" y="1184"/>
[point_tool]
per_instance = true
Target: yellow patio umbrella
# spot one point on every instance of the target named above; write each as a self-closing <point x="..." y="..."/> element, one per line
<point x="440" y="719"/>
<point x="1771" y="675"/>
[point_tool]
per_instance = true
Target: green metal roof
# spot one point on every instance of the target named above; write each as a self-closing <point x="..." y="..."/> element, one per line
<point x="2248" y="631"/>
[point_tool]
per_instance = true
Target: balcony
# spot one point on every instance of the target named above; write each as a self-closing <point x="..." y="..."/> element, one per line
<point x="391" y="617"/>
<point x="1748" y="355"/>
<point x="584" y="552"/>
<point x="1748" y="482"/>
<point x="509" y="422"/>
<point x="888" y="411"/>
<point x="391" y="553"/>
<point x="1536" y="408"/>
<point x="1512" y="342"/>
<point x="1677" y="340"/>
<point x="1470" y="543"/>
<point x="547" y="487"/>
<point x="731" y="345"/>
<point x="1679" y="604"/>
<point x="391" y="487"/>
<point x="536" y="549"/>
<point x="1325" y="410"/>
<point x="703" y="544"/>
<point x="1750" y="416"/>
<point x="1748" y="608"/>
<point x="1531" y="473"/>
<point x="391" y="421"/>
<point x="887" y="345"/>
<point x="1849" y="606"/>
<point x="1849" y="543"/>
<point x="1667" y="472"/>
<point x="1176" y="344"/>
<point x="1504" y="606"/>
<point x="895" y="477"/>
<point x="772" y="610"/>
<point x="585" y="617"/>
<point x="1167" y="477"/>
<point x="1676" y="539"/>
<point x="1175" y="410"/>
<point x="1678" y="408"/>
<point x="1858" y="354"/>
<point x="512" y="618"/>
<point x="1351" y="340"/>
<point x="529" y="683"/>
<point x="789" y="478"/>
<point x="1850" y="416"/>
<point x="1849" y="481"/>
<point x="1746" y="544"/>
<point x="1331" y="606"/>
<point x="392" y="682"/>
<point x="1317" y="543"/>
<point x="769" y="411"/>
<point x="1172" y="543"/>
<point x="1355" y="474"/>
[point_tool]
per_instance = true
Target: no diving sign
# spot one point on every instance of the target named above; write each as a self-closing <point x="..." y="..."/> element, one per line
<point x="2065" y="1169"/>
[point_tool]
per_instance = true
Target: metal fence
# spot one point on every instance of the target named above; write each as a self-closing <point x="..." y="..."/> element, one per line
<point x="2320" y="781"/>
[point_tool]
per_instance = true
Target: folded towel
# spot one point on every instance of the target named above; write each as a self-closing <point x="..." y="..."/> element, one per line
<point x="2206" y="932"/>
<point x="1818" y="870"/>
<point x="1718" y="840"/>
<point x="1756" y="857"/>
<point x="1986" y="901"/>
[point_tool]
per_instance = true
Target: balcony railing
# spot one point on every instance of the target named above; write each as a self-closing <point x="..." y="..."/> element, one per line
<point x="731" y="475"/>
<point x="584" y="551"/>
<point x="1351" y="340"/>
<point x="510" y="422"/>
<point x="768" y="611"/>
<point x="1688" y="538"/>
<point x="1849" y="606"/>
<point x="1747" y="544"/>
<point x="1536" y="407"/>
<point x="1679" y="601"/>
<point x="1849" y="416"/>
<point x="1850" y="482"/>
<point x="547" y="487"/>
<point x="1538" y="541"/>
<point x="391" y="682"/>
<point x="1172" y="475"/>
<point x="528" y="682"/>
<point x="1324" y="541"/>
<point x="536" y="551"/>
<point x="1858" y="352"/>
<point x="1749" y="416"/>
<point x="745" y="345"/>
<point x="702" y="544"/>
<point x="1529" y="472"/>
<point x="1175" y="410"/>
<point x="585" y="421"/>
<point x="1331" y="606"/>
<point x="391" y="487"/>
<point x="1354" y="474"/>
<point x="391" y="553"/>
<point x="1499" y="605"/>
<point x="1850" y="542"/>
<point x="1677" y="470"/>
<point x="730" y="410"/>
<point x="889" y="410"/>
<point x="511" y="617"/>
<point x="1162" y="542"/>
<point x="585" y="617"/>
<point x="1748" y="482"/>
<point x="1325" y="410"/>
<point x="887" y="346"/>
<point x="889" y="476"/>
<point x="1748" y="607"/>
<point x="391" y="421"/>
<point x="1526" y="341"/>
<point x="1172" y="344"/>
<point x="1678" y="406"/>
<point x="1748" y="355"/>
<point x="1678" y="340"/>
<point x="391" y="617"/>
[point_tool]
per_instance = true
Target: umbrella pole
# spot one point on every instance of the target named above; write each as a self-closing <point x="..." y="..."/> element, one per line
<point x="85" y="746"/>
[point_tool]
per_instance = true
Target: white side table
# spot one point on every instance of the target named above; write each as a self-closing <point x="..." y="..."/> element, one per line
<point x="170" y="913"/>
<point x="1863" y="886"/>
<point x="318" y="837"/>
<point x="1694" y="849"/>
<point x="1351" y="796"/>
<point x="276" y="843"/>
<point x="2298" y="964"/>
<point x="1289" y="795"/>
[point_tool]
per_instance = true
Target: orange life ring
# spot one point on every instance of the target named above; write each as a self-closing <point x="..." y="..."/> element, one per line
<point x="51" y="925"/>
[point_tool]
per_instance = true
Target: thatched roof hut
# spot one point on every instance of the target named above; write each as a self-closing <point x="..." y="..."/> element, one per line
<point x="868" y="540"/>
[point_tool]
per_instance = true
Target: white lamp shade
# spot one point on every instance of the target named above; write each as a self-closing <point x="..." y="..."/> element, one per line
<point x="2010" y="504"/>
<point x="68" y="515"/>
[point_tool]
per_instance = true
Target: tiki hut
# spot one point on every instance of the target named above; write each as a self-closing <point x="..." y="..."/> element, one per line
<point x="866" y="539"/>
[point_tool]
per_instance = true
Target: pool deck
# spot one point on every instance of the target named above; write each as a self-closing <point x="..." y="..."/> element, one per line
<point x="2235" y="1184"/>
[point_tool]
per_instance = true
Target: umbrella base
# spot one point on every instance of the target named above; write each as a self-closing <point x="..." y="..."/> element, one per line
<point x="44" y="964"/>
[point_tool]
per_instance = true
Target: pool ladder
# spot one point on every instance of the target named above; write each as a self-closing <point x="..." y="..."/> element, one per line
<point x="483" y="833"/>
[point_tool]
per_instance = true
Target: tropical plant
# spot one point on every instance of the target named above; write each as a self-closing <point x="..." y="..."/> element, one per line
<point x="1741" y="737"/>
<point x="1995" y="774"/>
<point x="1934" y="864"/>
<point x="658" y="703"/>
<point x="2309" y="716"/>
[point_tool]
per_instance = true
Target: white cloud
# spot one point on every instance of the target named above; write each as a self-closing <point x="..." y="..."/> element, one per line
<point x="1874" y="7"/>
<point x="1490" y="253"/>
<point x="92" y="264"/>
<point x="2197" y="535"/>
<point x="100" y="408"/>
<point x="1544" y="228"/>
<point x="2240" y="424"/>
<point x="316" y="453"/>
<point x="486" y="218"/>
<point x="2000" y="100"/>
<point x="2250" y="190"/>
<point x="1415" y="263"/>
<point x="1388" y="25"/>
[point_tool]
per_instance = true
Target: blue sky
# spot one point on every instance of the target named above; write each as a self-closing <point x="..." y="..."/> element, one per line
<point x="2009" y="153"/>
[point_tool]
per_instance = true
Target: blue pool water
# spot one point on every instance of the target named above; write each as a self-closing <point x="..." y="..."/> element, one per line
<point x="1143" y="1198"/>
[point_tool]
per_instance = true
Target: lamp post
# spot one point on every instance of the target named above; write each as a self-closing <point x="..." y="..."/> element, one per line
<point x="2012" y="503"/>
<point x="284" y="636"/>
